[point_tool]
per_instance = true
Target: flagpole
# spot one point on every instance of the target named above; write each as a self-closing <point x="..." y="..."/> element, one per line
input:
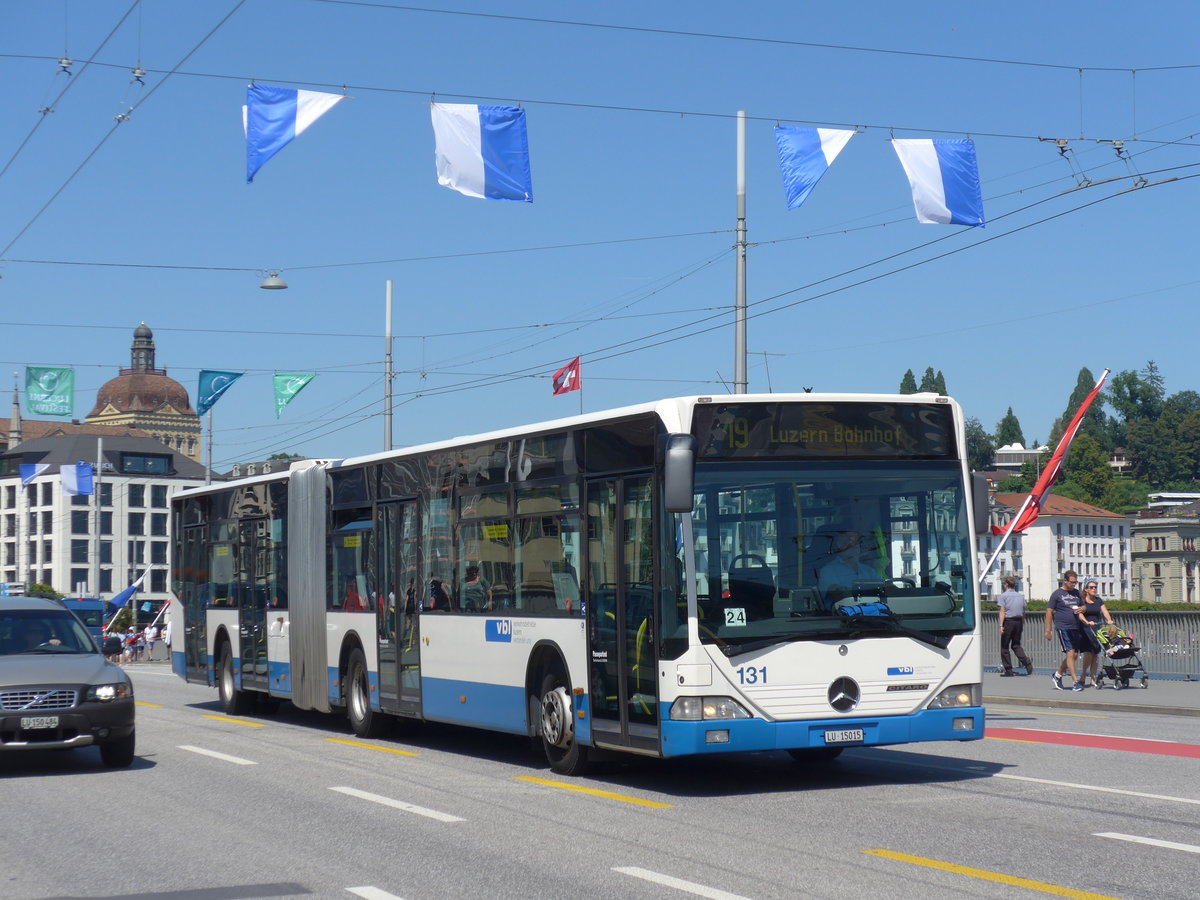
<point x="208" y="467"/>
<point x="739" y="303"/>
<point x="388" y="375"/>
<point x="1004" y="538"/>
<point x="96" y="497"/>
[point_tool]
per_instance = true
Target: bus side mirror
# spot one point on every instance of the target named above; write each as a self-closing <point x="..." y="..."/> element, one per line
<point x="979" y="498"/>
<point x="679" y="472"/>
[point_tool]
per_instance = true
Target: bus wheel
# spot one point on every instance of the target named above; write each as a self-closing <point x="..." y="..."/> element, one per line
<point x="364" y="721"/>
<point x="563" y="752"/>
<point x="816" y="755"/>
<point x="233" y="701"/>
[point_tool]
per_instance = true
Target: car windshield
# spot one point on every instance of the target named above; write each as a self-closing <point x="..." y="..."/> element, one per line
<point x="42" y="631"/>
<point x="828" y="550"/>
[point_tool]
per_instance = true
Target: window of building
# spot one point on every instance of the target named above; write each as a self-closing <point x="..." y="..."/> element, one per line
<point x="48" y="522"/>
<point x="33" y="522"/>
<point x="106" y="493"/>
<point x="81" y="499"/>
<point x="10" y="526"/>
<point x="137" y="495"/>
<point x="79" y="577"/>
<point x="106" y="552"/>
<point x="47" y="494"/>
<point x="145" y="464"/>
<point x="158" y="496"/>
<point x="79" y="551"/>
<point x="158" y="524"/>
<point x="10" y="496"/>
<point x="158" y="580"/>
<point x="105" y="580"/>
<point x="80" y="521"/>
<point x="158" y="553"/>
<point x="137" y="551"/>
<point x="106" y="523"/>
<point x="47" y="554"/>
<point x="137" y="523"/>
<point x="1157" y="570"/>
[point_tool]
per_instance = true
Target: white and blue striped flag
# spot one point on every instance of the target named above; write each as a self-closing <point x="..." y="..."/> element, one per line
<point x="482" y="151"/>
<point x="805" y="154"/>
<point x="944" y="177"/>
<point x="273" y="116"/>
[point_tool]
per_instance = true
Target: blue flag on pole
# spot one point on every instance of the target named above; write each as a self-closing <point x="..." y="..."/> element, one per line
<point x="805" y="154"/>
<point x="944" y="177"/>
<point x="482" y="151"/>
<point x="212" y="385"/>
<point x="273" y="117"/>
<point x="76" y="479"/>
<point x="30" y="471"/>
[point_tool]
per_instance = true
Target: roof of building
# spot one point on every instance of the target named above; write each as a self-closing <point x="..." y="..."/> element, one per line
<point x="142" y="392"/>
<point x="1054" y="505"/>
<point x="69" y="449"/>
<point x="40" y="428"/>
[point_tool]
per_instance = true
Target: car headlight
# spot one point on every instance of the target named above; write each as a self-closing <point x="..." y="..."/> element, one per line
<point x="959" y="695"/>
<point x="694" y="709"/>
<point x="106" y="693"/>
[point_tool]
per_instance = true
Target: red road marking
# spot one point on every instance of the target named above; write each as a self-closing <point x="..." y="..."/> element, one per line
<point x="1096" y="741"/>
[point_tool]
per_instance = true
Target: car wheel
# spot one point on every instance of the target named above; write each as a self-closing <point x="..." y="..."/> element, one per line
<point x="233" y="701"/>
<point x="118" y="754"/>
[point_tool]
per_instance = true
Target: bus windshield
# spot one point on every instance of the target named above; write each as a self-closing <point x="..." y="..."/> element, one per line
<point x="828" y="551"/>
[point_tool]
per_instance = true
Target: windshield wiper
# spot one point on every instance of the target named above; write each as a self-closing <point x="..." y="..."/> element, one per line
<point x="735" y="649"/>
<point x="868" y="625"/>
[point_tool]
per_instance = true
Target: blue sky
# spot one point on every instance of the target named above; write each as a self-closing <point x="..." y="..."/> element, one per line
<point x="625" y="256"/>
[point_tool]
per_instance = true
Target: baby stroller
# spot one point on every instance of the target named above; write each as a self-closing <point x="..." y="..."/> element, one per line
<point x="1118" y="658"/>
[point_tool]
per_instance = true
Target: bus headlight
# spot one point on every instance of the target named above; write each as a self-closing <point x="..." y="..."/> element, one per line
<point x="694" y="709"/>
<point x="958" y="696"/>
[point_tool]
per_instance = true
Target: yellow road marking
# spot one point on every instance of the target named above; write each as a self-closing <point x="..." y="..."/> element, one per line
<point x="608" y="795"/>
<point x="235" y="721"/>
<point x="985" y="875"/>
<point x="1009" y="740"/>
<point x="372" y="747"/>
<point x="147" y="705"/>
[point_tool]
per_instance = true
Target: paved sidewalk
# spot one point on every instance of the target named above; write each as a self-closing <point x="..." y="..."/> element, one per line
<point x="1164" y="696"/>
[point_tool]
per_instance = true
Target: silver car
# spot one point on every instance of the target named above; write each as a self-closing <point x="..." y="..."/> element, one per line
<point x="57" y="691"/>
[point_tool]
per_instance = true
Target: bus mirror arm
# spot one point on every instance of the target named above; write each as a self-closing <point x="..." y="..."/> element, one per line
<point x="679" y="472"/>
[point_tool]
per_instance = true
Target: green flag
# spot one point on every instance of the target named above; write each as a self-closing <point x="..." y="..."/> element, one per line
<point x="49" y="392"/>
<point x="287" y="387"/>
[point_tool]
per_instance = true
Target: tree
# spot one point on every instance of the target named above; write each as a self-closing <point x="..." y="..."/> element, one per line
<point x="44" y="590"/>
<point x="285" y="456"/>
<point x="939" y="383"/>
<point x="928" y="381"/>
<point x="1094" y="420"/>
<point x="1086" y="466"/>
<point x="981" y="452"/>
<point x="1008" y="431"/>
<point x="908" y="384"/>
<point x="1124" y="496"/>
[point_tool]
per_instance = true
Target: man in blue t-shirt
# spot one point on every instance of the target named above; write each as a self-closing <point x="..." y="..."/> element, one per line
<point x="1062" y="615"/>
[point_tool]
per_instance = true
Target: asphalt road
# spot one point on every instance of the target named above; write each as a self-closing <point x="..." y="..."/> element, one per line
<point x="1056" y="802"/>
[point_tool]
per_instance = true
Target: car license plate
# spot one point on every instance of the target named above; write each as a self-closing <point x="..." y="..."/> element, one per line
<point x="30" y="723"/>
<point x="848" y="736"/>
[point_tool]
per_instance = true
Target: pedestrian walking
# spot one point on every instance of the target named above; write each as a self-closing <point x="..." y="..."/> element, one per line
<point x="1062" y="616"/>
<point x="1012" y="626"/>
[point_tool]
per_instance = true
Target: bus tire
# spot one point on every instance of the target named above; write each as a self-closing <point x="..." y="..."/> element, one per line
<point x="557" y="727"/>
<point x="233" y="701"/>
<point x="816" y="755"/>
<point x="364" y="721"/>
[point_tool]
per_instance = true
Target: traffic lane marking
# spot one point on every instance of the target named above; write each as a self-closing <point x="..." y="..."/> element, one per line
<point x="608" y="795"/>
<point x="985" y="875"/>
<point x="1095" y="741"/>
<point x="1027" y="713"/>
<point x="372" y="893"/>
<point x="394" y="750"/>
<point x="1153" y="842"/>
<point x="691" y="887"/>
<point x="235" y="721"/>
<point x="398" y="804"/>
<point x="236" y="760"/>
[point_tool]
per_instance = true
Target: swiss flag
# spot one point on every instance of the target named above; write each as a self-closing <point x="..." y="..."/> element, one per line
<point x="567" y="378"/>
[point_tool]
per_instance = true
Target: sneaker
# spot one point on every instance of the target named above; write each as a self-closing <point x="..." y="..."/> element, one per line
<point x="1056" y="680"/>
<point x="1028" y="668"/>
<point x="1008" y="674"/>
<point x="1078" y="686"/>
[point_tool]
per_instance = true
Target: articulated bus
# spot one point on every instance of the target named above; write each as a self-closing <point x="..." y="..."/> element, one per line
<point x="786" y="572"/>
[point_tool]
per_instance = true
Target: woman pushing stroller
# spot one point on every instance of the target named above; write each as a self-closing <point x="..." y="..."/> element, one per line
<point x="1092" y="614"/>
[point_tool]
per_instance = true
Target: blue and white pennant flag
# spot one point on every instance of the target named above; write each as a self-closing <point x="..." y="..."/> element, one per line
<point x="482" y="151"/>
<point x="272" y="117"/>
<point x="805" y="154"/>
<point x="944" y="177"/>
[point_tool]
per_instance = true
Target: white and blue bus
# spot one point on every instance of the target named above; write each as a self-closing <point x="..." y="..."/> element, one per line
<point x="697" y="575"/>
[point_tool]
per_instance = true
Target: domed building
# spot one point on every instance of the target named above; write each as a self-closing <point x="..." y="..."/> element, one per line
<point x="144" y="397"/>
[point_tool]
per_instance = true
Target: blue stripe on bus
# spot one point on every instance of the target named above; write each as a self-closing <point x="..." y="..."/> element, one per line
<point x="684" y="738"/>
<point x="279" y="678"/>
<point x="499" y="707"/>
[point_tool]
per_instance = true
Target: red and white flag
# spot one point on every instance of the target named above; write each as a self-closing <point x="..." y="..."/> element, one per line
<point x="567" y="378"/>
<point x="1033" y="503"/>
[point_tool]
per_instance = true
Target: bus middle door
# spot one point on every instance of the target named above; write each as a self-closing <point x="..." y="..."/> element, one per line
<point x="623" y="670"/>
<point x="253" y="584"/>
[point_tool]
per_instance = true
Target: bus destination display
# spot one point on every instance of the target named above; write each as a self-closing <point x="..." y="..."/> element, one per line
<point x="825" y="430"/>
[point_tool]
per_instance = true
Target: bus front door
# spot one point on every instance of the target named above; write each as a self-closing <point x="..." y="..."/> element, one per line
<point x="253" y="584"/>
<point x="397" y="624"/>
<point x="623" y="672"/>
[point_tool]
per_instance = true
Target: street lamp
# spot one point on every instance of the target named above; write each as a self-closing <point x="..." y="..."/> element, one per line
<point x="273" y="283"/>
